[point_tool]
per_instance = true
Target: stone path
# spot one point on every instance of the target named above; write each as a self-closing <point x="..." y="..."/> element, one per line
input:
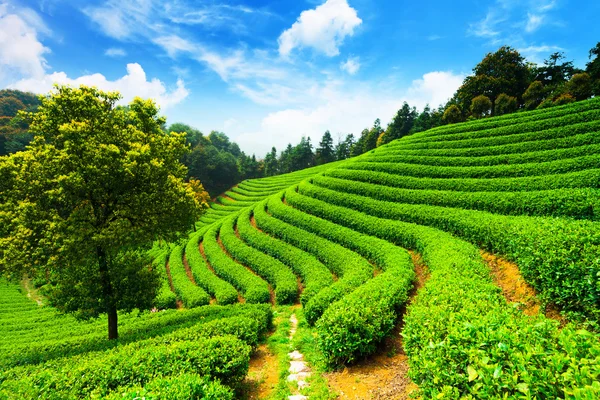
<point x="299" y="370"/>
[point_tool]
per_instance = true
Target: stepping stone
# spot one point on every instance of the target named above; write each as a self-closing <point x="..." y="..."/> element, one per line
<point x="298" y="397"/>
<point x="302" y="384"/>
<point x="298" y="366"/>
<point x="296" y="355"/>
<point x="299" y="377"/>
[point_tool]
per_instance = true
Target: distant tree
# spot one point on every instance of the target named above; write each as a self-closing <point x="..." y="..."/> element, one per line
<point x="534" y="95"/>
<point x="271" y="163"/>
<point x="401" y="125"/>
<point x="373" y="134"/>
<point x="285" y="160"/>
<point x="344" y="147"/>
<point x="564" y="99"/>
<point x="580" y="86"/>
<point x="424" y="120"/>
<point x="302" y="155"/>
<point x="481" y="106"/>
<point x="593" y="68"/>
<point x="9" y="106"/>
<point x="555" y="71"/>
<point x="325" y="151"/>
<point x="505" y="104"/>
<point x="96" y="187"/>
<point x="452" y="115"/>
<point x="504" y="71"/>
<point x="359" y="146"/>
<point x="193" y="137"/>
<point x="220" y="140"/>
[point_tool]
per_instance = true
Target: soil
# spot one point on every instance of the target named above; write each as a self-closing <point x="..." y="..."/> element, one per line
<point x="383" y="375"/>
<point x="178" y="302"/>
<point x="262" y="376"/>
<point x="514" y="288"/>
<point x="32" y="292"/>
<point x="188" y="271"/>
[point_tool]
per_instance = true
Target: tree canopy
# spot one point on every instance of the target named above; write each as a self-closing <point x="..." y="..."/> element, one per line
<point x="82" y="204"/>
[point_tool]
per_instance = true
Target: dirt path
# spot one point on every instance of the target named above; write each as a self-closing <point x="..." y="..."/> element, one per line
<point x="514" y="288"/>
<point x="188" y="270"/>
<point x="385" y="374"/>
<point x="31" y="291"/>
<point x="262" y="375"/>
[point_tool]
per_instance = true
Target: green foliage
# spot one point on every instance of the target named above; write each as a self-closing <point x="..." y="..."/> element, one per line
<point x="97" y="183"/>
<point x="325" y="151"/>
<point x="272" y="270"/>
<point x="505" y="104"/>
<point x="534" y="95"/>
<point x="190" y="294"/>
<point x="452" y="115"/>
<point x="481" y="106"/>
<point x="165" y="297"/>
<point x="252" y="287"/>
<point x="580" y="86"/>
<point x="564" y="99"/>
<point x="184" y="386"/>
<point x="221" y="290"/>
<point x="401" y="125"/>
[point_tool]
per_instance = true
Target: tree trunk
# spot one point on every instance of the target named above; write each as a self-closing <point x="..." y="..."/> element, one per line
<point x="113" y="330"/>
<point x="107" y="291"/>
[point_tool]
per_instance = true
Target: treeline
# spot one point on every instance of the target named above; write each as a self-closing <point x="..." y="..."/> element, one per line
<point x="14" y="135"/>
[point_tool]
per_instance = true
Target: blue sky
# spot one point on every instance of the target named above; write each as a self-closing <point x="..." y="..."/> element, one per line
<point x="267" y="72"/>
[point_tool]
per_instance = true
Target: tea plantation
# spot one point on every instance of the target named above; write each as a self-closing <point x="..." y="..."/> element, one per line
<point x="336" y="239"/>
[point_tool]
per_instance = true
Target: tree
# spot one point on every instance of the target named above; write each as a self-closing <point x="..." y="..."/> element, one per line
<point x="564" y="99"/>
<point x="504" y="71"/>
<point x="593" y="68"/>
<point x="505" y="104"/>
<point x="580" y="86"/>
<point x="481" y="106"/>
<point x="302" y="155"/>
<point x="554" y="73"/>
<point x="344" y="147"/>
<point x="325" y="151"/>
<point x="401" y="125"/>
<point x="96" y="187"/>
<point x="373" y="134"/>
<point x="424" y="121"/>
<point x="452" y="115"/>
<point x="534" y="95"/>
<point x="193" y="136"/>
<point x="359" y="146"/>
<point x="271" y="164"/>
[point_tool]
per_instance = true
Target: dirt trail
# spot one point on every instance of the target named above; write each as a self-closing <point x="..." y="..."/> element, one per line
<point x="262" y="375"/>
<point x="514" y="288"/>
<point x="31" y="291"/>
<point x="188" y="270"/>
<point x="384" y="375"/>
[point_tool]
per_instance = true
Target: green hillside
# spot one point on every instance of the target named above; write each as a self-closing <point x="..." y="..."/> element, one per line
<point x="336" y="239"/>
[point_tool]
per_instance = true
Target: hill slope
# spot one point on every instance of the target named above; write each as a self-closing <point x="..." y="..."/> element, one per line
<point x="337" y="239"/>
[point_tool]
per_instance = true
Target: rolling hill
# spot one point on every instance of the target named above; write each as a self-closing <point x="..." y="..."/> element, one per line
<point x="338" y="239"/>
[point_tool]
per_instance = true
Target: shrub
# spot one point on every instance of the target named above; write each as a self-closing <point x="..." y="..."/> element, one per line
<point x="481" y="106"/>
<point x="505" y="104"/>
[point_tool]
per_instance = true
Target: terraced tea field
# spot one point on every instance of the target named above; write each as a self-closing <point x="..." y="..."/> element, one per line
<point x="338" y="240"/>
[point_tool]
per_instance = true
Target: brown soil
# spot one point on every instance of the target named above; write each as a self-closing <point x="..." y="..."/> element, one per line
<point x="253" y="222"/>
<point x="385" y="374"/>
<point x="514" y="288"/>
<point x="382" y="376"/>
<point x="188" y="271"/>
<point x="178" y="302"/>
<point x="262" y="376"/>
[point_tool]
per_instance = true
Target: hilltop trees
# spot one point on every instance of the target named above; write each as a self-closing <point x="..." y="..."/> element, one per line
<point x="80" y="206"/>
<point x="325" y="151"/>
<point x="401" y="125"/>
<point x="593" y="68"/>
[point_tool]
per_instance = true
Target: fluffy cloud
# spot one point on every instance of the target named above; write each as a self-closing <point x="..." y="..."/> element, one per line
<point x="323" y="28"/>
<point x="21" y="53"/>
<point x="135" y="83"/>
<point x="344" y="110"/>
<point x="351" y="65"/>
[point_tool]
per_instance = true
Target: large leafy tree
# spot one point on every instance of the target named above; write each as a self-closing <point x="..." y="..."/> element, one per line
<point x="555" y="71"/>
<point x="97" y="185"/>
<point x="504" y="71"/>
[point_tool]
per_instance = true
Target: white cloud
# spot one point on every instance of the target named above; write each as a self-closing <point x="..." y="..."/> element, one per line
<point x="323" y="28"/>
<point x="351" y="65"/>
<point x="174" y="44"/>
<point x="534" y="21"/>
<point x="21" y="53"/>
<point x="135" y="83"/>
<point x="115" y="52"/>
<point x="343" y="109"/>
